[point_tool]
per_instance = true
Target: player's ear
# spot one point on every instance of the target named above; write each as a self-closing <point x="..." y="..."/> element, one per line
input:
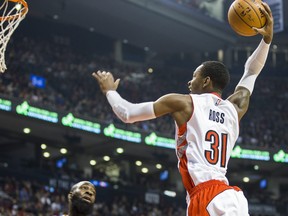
<point x="207" y="81"/>
<point x="69" y="196"/>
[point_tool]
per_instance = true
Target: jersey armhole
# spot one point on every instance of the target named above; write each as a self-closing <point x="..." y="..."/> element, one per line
<point x="185" y="124"/>
<point x="234" y="110"/>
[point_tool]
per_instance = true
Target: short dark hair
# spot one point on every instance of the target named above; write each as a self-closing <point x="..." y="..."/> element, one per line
<point x="218" y="73"/>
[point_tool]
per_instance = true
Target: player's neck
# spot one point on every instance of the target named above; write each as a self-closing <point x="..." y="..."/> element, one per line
<point x="216" y="93"/>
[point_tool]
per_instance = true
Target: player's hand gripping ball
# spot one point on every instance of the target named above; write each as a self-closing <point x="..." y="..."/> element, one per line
<point x="245" y="14"/>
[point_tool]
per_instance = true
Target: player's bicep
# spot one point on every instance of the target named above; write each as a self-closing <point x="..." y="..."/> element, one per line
<point x="168" y="104"/>
<point x="240" y="99"/>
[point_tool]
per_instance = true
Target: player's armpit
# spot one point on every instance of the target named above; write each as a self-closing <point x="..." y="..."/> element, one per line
<point x="240" y="99"/>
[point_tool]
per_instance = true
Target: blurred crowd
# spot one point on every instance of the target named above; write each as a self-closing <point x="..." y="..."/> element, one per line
<point x="32" y="198"/>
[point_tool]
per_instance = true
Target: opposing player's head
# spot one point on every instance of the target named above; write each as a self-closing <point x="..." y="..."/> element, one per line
<point x="210" y="76"/>
<point x="81" y="198"/>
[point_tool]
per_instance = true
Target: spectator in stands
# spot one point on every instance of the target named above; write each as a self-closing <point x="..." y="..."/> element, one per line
<point x="81" y="199"/>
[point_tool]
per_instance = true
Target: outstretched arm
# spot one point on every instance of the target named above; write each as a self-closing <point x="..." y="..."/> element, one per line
<point x="253" y="66"/>
<point x="126" y="111"/>
<point x="132" y="112"/>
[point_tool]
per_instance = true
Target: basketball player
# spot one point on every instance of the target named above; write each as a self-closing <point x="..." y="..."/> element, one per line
<point x="81" y="199"/>
<point x="207" y="127"/>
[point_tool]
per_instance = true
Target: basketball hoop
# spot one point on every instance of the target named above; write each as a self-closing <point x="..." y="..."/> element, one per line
<point x="12" y="12"/>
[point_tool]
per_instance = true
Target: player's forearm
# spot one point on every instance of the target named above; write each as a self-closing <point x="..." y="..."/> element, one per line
<point x="129" y="112"/>
<point x="254" y="66"/>
<point x="257" y="60"/>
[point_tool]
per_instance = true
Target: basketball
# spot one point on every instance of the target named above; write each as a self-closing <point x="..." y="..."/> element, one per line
<point x="245" y="14"/>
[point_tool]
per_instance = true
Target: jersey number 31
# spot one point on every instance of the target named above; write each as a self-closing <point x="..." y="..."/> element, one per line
<point x="218" y="148"/>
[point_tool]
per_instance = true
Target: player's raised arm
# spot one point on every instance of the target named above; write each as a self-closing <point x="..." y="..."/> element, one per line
<point x="253" y="66"/>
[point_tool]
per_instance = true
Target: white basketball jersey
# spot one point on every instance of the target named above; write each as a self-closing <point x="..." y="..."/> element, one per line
<point x="205" y="142"/>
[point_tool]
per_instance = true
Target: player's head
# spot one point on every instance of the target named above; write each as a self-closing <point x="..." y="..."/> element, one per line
<point x="81" y="198"/>
<point x="210" y="76"/>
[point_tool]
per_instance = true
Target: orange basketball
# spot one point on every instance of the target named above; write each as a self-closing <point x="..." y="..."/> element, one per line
<point x="245" y="14"/>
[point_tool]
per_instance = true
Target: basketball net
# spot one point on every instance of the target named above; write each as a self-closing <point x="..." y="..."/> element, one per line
<point x="12" y="12"/>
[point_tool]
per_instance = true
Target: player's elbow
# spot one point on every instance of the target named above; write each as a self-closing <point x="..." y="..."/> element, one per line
<point x="125" y="118"/>
<point x="126" y="121"/>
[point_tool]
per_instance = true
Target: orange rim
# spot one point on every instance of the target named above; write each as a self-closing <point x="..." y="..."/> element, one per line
<point x="23" y="12"/>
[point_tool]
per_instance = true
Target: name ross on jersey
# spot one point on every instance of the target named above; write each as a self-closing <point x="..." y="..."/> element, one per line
<point x="216" y="116"/>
